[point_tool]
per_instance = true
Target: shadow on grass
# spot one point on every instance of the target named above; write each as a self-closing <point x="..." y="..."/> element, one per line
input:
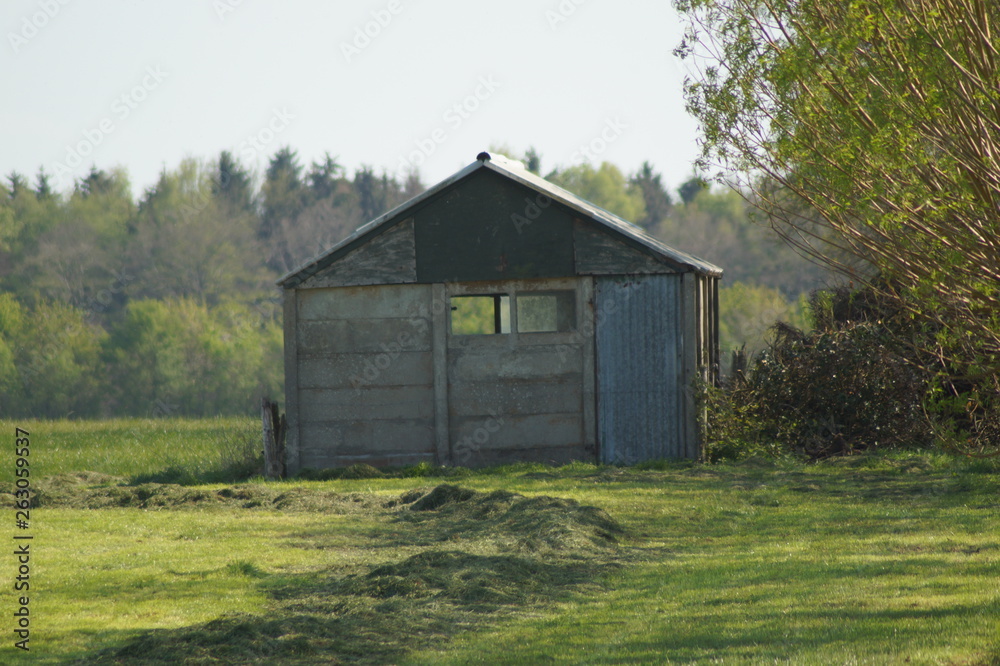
<point x="811" y="610"/>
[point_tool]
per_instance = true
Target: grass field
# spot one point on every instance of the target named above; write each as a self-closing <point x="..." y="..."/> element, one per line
<point x="866" y="560"/>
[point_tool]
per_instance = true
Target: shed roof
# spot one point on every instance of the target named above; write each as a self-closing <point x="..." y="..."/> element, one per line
<point x="514" y="171"/>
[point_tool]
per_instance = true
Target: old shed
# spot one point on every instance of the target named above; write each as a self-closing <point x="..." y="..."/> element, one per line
<point x="496" y="318"/>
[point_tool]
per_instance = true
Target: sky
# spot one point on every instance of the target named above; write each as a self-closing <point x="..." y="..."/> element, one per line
<point x="389" y="84"/>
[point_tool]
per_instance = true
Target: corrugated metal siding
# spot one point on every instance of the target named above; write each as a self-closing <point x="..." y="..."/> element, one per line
<point x="639" y="406"/>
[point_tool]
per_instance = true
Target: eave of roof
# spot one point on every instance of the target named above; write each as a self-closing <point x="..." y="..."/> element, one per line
<point x="517" y="172"/>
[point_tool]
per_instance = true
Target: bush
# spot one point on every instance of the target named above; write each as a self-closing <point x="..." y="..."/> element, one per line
<point x="853" y="384"/>
<point x="840" y="391"/>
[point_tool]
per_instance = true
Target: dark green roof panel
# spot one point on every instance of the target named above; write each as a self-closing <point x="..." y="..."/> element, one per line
<point x="491" y="228"/>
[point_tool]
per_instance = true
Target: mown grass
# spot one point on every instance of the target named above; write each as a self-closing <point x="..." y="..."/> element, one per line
<point x="887" y="559"/>
<point x="169" y="450"/>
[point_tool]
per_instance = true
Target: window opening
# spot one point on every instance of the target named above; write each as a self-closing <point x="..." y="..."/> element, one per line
<point x="546" y="311"/>
<point x="480" y="315"/>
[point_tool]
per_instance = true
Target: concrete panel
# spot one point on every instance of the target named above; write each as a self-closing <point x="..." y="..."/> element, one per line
<point x="367" y="438"/>
<point x="404" y="436"/>
<point x="342" y="336"/>
<point x="290" y="317"/>
<point x="325" y="459"/>
<point x="367" y="403"/>
<point x="483" y="364"/>
<point x="549" y="455"/>
<point x="406" y="301"/>
<point x="358" y="370"/>
<point x="440" y="335"/>
<point x="502" y="431"/>
<point x="517" y="397"/>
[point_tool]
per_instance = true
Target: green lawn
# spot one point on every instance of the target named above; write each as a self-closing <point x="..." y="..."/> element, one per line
<point x="181" y="448"/>
<point x="866" y="560"/>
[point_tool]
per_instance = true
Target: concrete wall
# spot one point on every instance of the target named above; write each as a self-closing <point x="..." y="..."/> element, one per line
<point x="364" y="366"/>
<point x="375" y="375"/>
<point x="522" y="396"/>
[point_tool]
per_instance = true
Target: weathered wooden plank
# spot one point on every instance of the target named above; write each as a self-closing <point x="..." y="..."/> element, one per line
<point x="366" y="403"/>
<point x="516" y="397"/>
<point x="598" y="252"/>
<point x="372" y="302"/>
<point x="347" y="336"/>
<point x="357" y="370"/>
<point x="389" y="258"/>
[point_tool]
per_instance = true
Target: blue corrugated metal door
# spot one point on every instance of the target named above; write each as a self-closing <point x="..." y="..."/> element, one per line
<point x="638" y="332"/>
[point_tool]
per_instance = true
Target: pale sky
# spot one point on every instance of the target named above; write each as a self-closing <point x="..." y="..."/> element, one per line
<point x="385" y="83"/>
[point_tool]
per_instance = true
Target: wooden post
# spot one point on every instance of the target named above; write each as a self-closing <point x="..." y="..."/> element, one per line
<point x="274" y="439"/>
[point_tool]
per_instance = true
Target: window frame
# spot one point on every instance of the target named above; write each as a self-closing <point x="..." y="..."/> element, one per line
<point x="511" y="289"/>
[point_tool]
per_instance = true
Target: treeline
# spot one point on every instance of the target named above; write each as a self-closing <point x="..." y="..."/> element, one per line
<point x="167" y="304"/>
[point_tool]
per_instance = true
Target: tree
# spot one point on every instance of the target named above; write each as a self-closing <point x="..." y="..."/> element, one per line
<point x="412" y="186"/>
<point x="869" y="129"/>
<point x="233" y="183"/>
<point x="533" y="161"/>
<point x="99" y="182"/>
<point x="43" y="185"/>
<point x="379" y="194"/>
<point x="314" y="230"/>
<point x="748" y="312"/>
<point x="690" y="188"/>
<point x="370" y="198"/>
<point x="717" y="225"/>
<point x="199" y="361"/>
<point x="606" y="187"/>
<point x="324" y="176"/>
<point x="74" y="247"/>
<point x="282" y="191"/>
<point x="25" y="214"/>
<point x="189" y="243"/>
<point x="16" y="184"/>
<point x="48" y="361"/>
<point x="654" y="195"/>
